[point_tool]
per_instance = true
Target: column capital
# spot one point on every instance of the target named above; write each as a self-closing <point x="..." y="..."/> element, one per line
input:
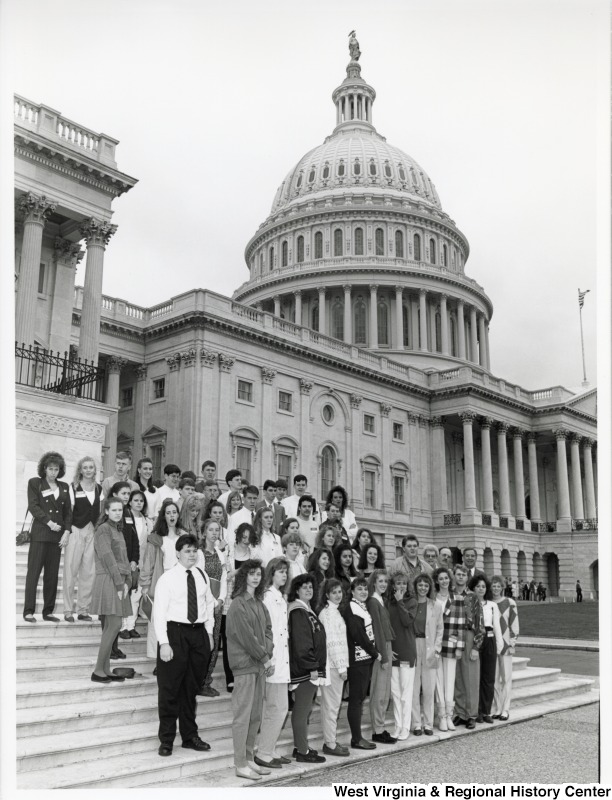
<point x="517" y="433"/>
<point x="412" y="417"/>
<point x="423" y="292"/>
<point x="356" y="400"/>
<point x="67" y="251"/>
<point x="96" y="232"/>
<point x="443" y="296"/>
<point x="267" y="374"/>
<point x="276" y="298"/>
<point x="173" y="362"/>
<point x="468" y="417"/>
<point x="502" y="427"/>
<point x="225" y="362"/>
<point x="399" y="289"/>
<point x="115" y="364"/>
<point x="305" y="386"/>
<point x="36" y="208"/>
<point x="385" y="409"/>
<point x="188" y="357"/>
<point x="587" y="443"/>
<point x="426" y="422"/>
<point x="460" y="304"/>
<point x="487" y="422"/>
<point x="532" y="437"/>
<point x="435" y="422"/>
<point x="321" y="289"/>
<point x="207" y="357"/>
<point x="297" y="292"/>
<point x="560" y="433"/>
<point x="575" y="437"/>
<point x="141" y="372"/>
<point x="373" y="287"/>
<point x="347" y="288"/>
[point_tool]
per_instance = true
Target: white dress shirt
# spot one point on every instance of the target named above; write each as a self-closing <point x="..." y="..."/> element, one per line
<point x="161" y="494"/>
<point x="270" y="547"/>
<point x="171" y="601"/>
<point x="290" y="504"/>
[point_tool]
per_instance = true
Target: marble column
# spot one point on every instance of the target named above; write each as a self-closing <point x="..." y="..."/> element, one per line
<point x="355" y="487"/>
<point x="348" y="315"/>
<point x="140" y="405"/>
<point x="373" y="316"/>
<point x="298" y="306"/>
<point x="444" y="325"/>
<point x="423" y="319"/>
<point x="305" y="390"/>
<point x="470" y="515"/>
<point x="502" y="465"/>
<point x="414" y="323"/>
<point x="482" y="339"/>
<point x="438" y="476"/>
<point x="66" y="256"/>
<point x="432" y="327"/>
<point x="460" y="330"/>
<point x="589" y="483"/>
<point x="97" y="234"/>
<point x="322" y="309"/>
<point x="35" y="210"/>
<point x="224" y="449"/>
<point x="534" y="487"/>
<point x="519" y="479"/>
<point x="399" y="319"/>
<point x="277" y="305"/>
<point x="268" y="410"/>
<point x="488" y="350"/>
<point x="114" y="365"/>
<point x="564" y="514"/>
<point x="473" y="336"/>
<point x="487" y="471"/>
<point x="576" y="476"/>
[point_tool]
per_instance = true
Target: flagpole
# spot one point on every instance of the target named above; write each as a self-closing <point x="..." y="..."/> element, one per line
<point x="582" y="342"/>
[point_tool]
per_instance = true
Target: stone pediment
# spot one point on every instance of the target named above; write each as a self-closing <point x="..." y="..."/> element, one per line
<point x="587" y="403"/>
<point x="153" y="431"/>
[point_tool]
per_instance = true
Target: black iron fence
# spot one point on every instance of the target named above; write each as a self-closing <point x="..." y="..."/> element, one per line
<point x="57" y="373"/>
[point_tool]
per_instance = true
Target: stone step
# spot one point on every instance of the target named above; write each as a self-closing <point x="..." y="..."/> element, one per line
<point x="531" y="676"/>
<point x="64" y="647"/>
<point x="48" y="631"/>
<point x="74" y="667"/>
<point x="539" y="693"/>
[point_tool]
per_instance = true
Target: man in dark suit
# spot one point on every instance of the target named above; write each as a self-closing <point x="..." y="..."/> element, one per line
<point x="269" y="501"/>
<point x="49" y="504"/>
<point x="469" y="561"/>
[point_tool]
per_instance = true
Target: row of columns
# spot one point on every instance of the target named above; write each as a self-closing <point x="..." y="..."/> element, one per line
<point x="581" y="508"/>
<point x="475" y="349"/>
<point x="97" y="233"/>
<point x="360" y="103"/>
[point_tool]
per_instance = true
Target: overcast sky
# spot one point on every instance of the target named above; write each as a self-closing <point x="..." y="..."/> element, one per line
<point x="500" y="103"/>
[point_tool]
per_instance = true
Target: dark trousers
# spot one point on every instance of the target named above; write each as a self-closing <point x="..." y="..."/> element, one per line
<point x="212" y="662"/>
<point x="359" y="675"/>
<point x="229" y="675"/>
<point x="304" y="698"/>
<point x="488" y="660"/>
<point x="42" y="556"/>
<point x="179" y="679"/>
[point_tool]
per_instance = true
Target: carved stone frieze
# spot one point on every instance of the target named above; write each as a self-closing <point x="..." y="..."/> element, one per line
<point x="62" y="426"/>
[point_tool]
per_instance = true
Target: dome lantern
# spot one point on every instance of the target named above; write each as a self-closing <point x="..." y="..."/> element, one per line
<point x="354" y="97"/>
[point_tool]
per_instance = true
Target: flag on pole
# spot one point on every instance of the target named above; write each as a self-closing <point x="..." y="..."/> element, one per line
<point x="581" y="296"/>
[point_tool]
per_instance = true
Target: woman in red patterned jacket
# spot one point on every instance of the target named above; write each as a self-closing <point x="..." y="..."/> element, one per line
<point x="453" y="643"/>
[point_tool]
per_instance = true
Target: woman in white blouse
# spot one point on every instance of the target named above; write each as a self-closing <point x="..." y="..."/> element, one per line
<point x="276" y="697"/>
<point x="492" y="645"/>
<point x="268" y="543"/>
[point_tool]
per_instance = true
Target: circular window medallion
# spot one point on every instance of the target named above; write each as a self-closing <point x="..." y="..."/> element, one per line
<point x="328" y="414"/>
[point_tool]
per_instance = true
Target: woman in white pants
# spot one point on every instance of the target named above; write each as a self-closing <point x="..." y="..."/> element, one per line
<point x="276" y="696"/>
<point x="428" y="630"/>
<point x="509" y="623"/>
<point x="453" y="643"/>
<point x="402" y="611"/>
<point x="337" y="664"/>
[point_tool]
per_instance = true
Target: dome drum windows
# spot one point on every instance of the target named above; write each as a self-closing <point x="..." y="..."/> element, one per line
<point x="271" y="259"/>
<point x="285" y="253"/>
<point x="379" y="241"/>
<point x="300" y="249"/>
<point x="383" y="324"/>
<point x="432" y="251"/>
<point x="417" y="247"/>
<point x="358" y="241"/>
<point x="357" y="167"/>
<point x="326" y="171"/>
<point x="399" y="244"/>
<point x="298" y="183"/>
<point x="373" y="168"/>
<point x="311" y="175"/>
<point x="318" y="245"/>
<point x="387" y="170"/>
<point x="402" y="173"/>
<point x="338" y="242"/>
<point x="341" y="169"/>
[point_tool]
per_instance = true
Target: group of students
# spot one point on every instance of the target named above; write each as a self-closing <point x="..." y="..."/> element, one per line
<point x="299" y="607"/>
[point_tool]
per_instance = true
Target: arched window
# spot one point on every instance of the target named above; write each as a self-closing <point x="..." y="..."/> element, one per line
<point x="432" y="251"/>
<point x="402" y="173"/>
<point x="417" y="247"/>
<point x="298" y="183"/>
<point x="326" y="171"/>
<point x="373" y="169"/>
<point x="341" y="169"/>
<point x="359" y="327"/>
<point x="314" y="318"/>
<point x="337" y="242"/>
<point x="318" y="248"/>
<point x="337" y="320"/>
<point x="271" y="258"/>
<point x="356" y="167"/>
<point x="406" y="326"/>
<point x="383" y="323"/>
<point x="358" y="241"/>
<point x="311" y="175"/>
<point x="285" y="253"/>
<point x="300" y="249"/>
<point x="379" y="238"/>
<point x="399" y="244"/>
<point x="328" y="470"/>
<point x="388" y="172"/>
<point x="444" y="255"/>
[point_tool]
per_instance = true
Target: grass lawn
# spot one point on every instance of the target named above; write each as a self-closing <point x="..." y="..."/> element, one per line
<point x="559" y="620"/>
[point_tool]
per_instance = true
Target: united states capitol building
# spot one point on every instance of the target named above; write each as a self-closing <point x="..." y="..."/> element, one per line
<point x="356" y="352"/>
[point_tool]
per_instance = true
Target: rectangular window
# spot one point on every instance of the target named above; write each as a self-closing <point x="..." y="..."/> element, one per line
<point x="398" y="492"/>
<point x="127" y="397"/>
<point x="284" y="467"/>
<point x="285" y="401"/>
<point x="245" y="392"/>
<point x="41" y="279"/>
<point x="159" y="388"/>
<point x="243" y="462"/>
<point x="156" y="453"/>
<point x="369" y="478"/>
<point x="398" y="431"/>
<point x="369" y="423"/>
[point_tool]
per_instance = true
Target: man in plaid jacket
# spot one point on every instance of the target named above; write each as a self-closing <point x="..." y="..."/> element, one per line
<point x="467" y="677"/>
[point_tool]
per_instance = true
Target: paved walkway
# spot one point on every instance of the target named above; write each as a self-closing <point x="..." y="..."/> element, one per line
<point x="559" y="644"/>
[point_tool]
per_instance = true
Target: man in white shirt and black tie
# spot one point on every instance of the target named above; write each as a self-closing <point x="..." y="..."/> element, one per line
<point x="183" y="615"/>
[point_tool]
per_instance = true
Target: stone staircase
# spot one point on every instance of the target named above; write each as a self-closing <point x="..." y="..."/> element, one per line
<point x="72" y="733"/>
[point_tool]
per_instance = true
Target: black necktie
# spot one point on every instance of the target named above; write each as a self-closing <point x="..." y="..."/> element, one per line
<point x="252" y="517"/>
<point x="192" y="598"/>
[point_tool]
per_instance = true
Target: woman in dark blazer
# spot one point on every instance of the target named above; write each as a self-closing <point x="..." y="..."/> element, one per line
<point x="49" y="504"/>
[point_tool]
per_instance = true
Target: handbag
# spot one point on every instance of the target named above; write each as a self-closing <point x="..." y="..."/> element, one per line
<point x="23" y="537"/>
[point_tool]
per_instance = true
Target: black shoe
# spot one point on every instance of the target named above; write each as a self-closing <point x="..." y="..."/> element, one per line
<point x="99" y="679"/>
<point x="274" y="764"/>
<point x="114" y="677"/>
<point x="428" y="731"/>
<point x="207" y="691"/>
<point x="417" y="732"/>
<point x="230" y="687"/>
<point x="459" y="721"/>
<point x="196" y="744"/>
<point x="165" y="750"/>
<point x="50" y="618"/>
<point x="470" y="724"/>
<point x="310" y="750"/>
<point x="384" y="738"/>
<point x="134" y="634"/>
<point x="124" y="634"/>
<point x="85" y="618"/>
<point x="69" y="617"/>
<point x="488" y="718"/>
<point x="115" y="654"/>
<point x="284" y="760"/>
<point x="311" y="757"/>
<point x="30" y="618"/>
<point x="363" y="744"/>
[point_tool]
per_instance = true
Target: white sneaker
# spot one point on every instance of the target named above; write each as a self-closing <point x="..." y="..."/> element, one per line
<point x="443" y="724"/>
<point x="449" y="723"/>
<point x="403" y="735"/>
